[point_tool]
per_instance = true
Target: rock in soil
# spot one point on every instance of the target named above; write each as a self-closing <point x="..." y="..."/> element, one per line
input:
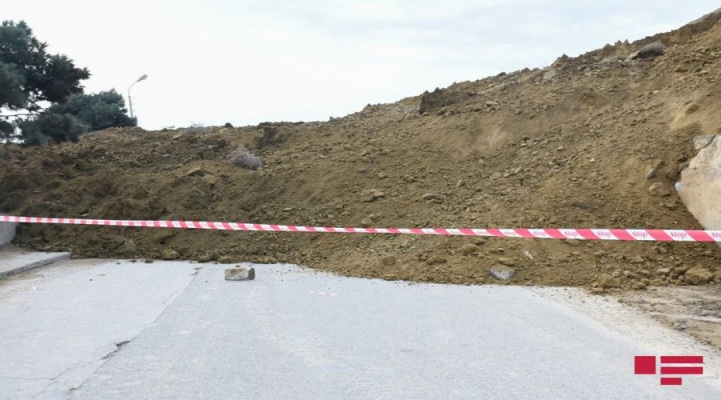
<point x="606" y="281"/>
<point x="698" y="276"/>
<point x="502" y="272"/>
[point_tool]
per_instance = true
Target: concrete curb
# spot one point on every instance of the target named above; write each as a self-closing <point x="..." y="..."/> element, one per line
<point x="55" y="257"/>
<point x="7" y="231"/>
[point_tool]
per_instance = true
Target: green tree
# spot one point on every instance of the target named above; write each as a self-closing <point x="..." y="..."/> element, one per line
<point x="41" y="76"/>
<point x="97" y="111"/>
<point x="30" y="77"/>
<point x="11" y="83"/>
<point x="55" y="127"/>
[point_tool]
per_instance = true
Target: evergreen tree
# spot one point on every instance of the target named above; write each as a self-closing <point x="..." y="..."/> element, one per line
<point x="41" y="96"/>
<point x="97" y="111"/>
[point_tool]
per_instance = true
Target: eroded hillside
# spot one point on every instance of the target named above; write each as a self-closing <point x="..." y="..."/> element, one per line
<point x="567" y="146"/>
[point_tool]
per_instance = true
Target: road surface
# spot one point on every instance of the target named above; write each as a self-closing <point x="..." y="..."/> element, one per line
<point x="97" y="329"/>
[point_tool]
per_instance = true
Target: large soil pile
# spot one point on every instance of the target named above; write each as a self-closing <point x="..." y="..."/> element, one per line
<point x="567" y="146"/>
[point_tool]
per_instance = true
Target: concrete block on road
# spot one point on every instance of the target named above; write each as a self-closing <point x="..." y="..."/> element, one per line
<point x="239" y="274"/>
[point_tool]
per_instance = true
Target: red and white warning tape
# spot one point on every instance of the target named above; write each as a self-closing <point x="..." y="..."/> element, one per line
<point x="663" y="235"/>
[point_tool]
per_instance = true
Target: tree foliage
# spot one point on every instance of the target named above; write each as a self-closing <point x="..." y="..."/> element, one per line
<point x="41" y="95"/>
<point x="11" y="83"/>
<point x="30" y="74"/>
<point x="55" y="127"/>
<point x="97" y="111"/>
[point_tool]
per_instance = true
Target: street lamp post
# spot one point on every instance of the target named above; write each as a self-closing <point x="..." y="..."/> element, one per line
<point x="130" y="99"/>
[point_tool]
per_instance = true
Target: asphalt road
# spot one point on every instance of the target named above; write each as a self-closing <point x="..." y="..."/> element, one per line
<point x="297" y="334"/>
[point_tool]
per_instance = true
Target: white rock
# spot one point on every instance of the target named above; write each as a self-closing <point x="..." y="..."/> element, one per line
<point x="701" y="183"/>
<point x="240" y="274"/>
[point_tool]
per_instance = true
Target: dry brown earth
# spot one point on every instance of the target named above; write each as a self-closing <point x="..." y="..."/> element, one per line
<point x="567" y="146"/>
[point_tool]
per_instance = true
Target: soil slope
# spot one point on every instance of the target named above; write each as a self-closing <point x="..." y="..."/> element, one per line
<point x="569" y="146"/>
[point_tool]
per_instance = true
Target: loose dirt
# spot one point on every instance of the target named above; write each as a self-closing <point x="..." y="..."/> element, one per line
<point x="568" y="146"/>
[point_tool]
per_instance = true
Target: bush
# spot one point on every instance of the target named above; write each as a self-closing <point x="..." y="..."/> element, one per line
<point x="242" y="157"/>
<point x="31" y="133"/>
<point x="6" y="129"/>
<point x="98" y="111"/>
<point x="57" y="127"/>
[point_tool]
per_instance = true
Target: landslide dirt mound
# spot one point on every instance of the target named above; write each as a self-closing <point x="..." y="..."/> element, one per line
<point x="570" y="145"/>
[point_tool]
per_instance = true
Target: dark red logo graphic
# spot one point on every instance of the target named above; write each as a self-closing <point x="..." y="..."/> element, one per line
<point x="670" y="365"/>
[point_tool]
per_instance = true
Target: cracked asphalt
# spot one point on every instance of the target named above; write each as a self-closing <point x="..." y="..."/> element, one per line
<point x="61" y="322"/>
<point x="103" y="329"/>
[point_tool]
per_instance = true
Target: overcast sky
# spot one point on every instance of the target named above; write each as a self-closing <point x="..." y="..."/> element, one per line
<point x="248" y="61"/>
